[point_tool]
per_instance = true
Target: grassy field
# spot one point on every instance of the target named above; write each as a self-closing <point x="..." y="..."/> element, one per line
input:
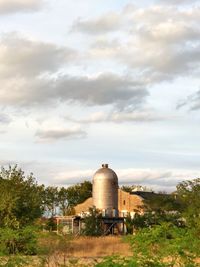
<point x="98" y="247"/>
<point x="80" y="251"/>
<point x="159" y="246"/>
<point x="164" y="245"/>
<point x="60" y="251"/>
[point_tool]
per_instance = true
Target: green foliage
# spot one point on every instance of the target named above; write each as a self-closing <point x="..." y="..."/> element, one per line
<point x="63" y="201"/>
<point x="65" y="198"/>
<point x="162" y="203"/>
<point x="50" y="200"/>
<point x="169" y="229"/>
<point x="166" y="241"/>
<point x="180" y="208"/>
<point x="78" y="193"/>
<point x="129" y="224"/>
<point x="159" y="208"/>
<point x="188" y="193"/>
<point x="93" y="223"/>
<point x="127" y="188"/>
<point x="131" y="188"/>
<point x="149" y="219"/>
<point x="21" y="241"/>
<point x="14" y="261"/>
<point x="27" y="242"/>
<point x="20" y="198"/>
<point x="117" y="261"/>
<point x="51" y="224"/>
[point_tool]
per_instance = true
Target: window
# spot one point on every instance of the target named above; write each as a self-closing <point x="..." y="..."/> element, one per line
<point x="124" y="202"/>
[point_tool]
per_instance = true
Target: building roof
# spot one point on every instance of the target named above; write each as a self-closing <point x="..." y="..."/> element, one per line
<point x="147" y="195"/>
<point x="83" y="207"/>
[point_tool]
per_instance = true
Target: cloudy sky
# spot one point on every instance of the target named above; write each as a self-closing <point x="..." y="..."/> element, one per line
<point x="101" y="81"/>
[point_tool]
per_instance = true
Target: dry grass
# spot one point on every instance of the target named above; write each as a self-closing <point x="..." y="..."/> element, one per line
<point x="80" y="251"/>
<point x="98" y="247"/>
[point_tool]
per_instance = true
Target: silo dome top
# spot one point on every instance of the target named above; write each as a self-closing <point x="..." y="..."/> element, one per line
<point x="105" y="173"/>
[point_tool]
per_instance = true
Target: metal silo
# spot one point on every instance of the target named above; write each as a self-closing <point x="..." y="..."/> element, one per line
<point x="105" y="191"/>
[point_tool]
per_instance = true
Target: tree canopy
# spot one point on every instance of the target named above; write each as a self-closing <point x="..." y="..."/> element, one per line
<point x="20" y="198"/>
<point x="63" y="199"/>
<point x="188" y="193"/>
<point x="93" y="223"/>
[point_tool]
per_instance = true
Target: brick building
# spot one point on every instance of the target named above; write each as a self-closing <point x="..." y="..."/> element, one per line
<point x="127" y="204"/>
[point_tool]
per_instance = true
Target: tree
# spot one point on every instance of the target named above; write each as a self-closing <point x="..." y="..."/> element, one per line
<point x="78" y="193"/>
<point x="162" y="203"/>
<point x="158" y="208"/>
<point x="131" y="188"/>
<point x="63" y="200"/>
<point x="20" y="198"/>
<point x="93" y="223"/>
<point x="51" y="202"/>
<point x="188" y="193"/>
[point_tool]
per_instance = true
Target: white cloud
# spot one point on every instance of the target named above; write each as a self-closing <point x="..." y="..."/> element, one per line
<point x="152" y="178"/>
<point x="106" y="23"/>
<point x="104" y="89"/>
<point x="192" y="102"/>
<point x="22" y="56"/>
<point x="72" y="177"/>
<point x="14" y="6"/>
<point x="120" y="117"/>
<point x="52" y="135"/>
<point x="159" y="43"/>
<point x="177" y="2"/>
<point x="5" y="119"/>
<point x="30" y="77"/>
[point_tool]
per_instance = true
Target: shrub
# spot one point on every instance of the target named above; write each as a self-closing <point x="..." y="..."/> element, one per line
<point x="166" y="241"/>
<point x="51" y="224"/>
<point x="18" y="241"/>
<point x="93" y="223"/>
<point x="117" y="261"/>
<point x="14" y="261"/>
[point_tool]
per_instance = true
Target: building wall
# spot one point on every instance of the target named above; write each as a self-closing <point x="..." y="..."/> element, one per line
<point x="127" y="203"/>
<point x="83" y="207"/>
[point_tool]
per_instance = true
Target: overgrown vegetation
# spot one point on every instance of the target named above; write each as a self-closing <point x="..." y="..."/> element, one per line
<point x="93" y="223"/>
<point x="23" y="203"/>
<point x="166" y="234"/>
<point x="20" y="198"/>
<point x="164" y="245"/>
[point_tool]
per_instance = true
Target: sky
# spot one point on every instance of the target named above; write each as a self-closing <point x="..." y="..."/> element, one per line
<point x="101" y="81"/>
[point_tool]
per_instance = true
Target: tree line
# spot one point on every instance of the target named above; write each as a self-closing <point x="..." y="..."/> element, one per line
<point x="181" y="208"/>
<point x="22" y="200"/>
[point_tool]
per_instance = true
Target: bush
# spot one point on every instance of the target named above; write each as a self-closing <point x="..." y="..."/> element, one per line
<point x="14" y="261"/>
<point x="51" y="225"/>
<point x="166" y="241"/>
<point x="149" y="219"/>
<point x="18" y="241"/>
<point x="131" y="262"/>
<point x="93" y="223"/>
